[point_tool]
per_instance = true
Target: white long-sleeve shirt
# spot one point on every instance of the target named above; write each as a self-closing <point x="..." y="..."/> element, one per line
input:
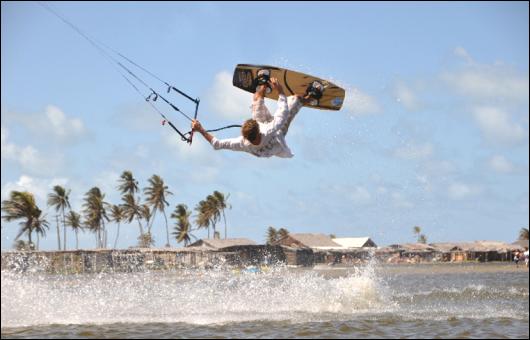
<point x="272" y="137"/>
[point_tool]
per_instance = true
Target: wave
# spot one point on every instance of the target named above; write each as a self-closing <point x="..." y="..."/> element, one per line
<point x="198" y="297"/>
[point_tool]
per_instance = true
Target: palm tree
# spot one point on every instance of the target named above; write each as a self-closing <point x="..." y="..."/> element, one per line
<point x="21" y="245"/>
<point x="95" y="213"/>
<point x="146" y="240"/>
<point x="422" y="239"/>
<point x="73" y="220"/>
<point x="272" y="235"/>
<point x="59" y="199"/>
<point x="523" y="234"/>
<point x="417" y="231"/>
<point x="203" y="216"/>
<point x="22" y="206"/>
<point x="222" y="204"/>
<point x="213" y="211"/>
<point x="156" y="194"/>
<point x="132" y="210"/>
<point x="129" y="187"/>
<point x="282" y="233"/>
<point x="117" y="214"/>
<point x="183" y="226"/>
<point x="128" y="184"/>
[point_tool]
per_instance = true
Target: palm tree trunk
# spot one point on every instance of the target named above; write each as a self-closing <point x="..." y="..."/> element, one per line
<point x="167" y="230"/>
<point x="76" y="239"/>
<point x="64" y="228"/>
<point x="117" y="235"/>
<point x="29" y="237"/>
<point x="224" y="218"/>
<point x="140" y="224"/>
<point x="103" y="234"/>
<point x="58" y="233"/>
<point x="152" y="220"/>
<point x="38" y="241"/>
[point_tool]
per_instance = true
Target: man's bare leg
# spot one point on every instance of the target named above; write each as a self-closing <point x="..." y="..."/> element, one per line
<point x="260" y="92"/>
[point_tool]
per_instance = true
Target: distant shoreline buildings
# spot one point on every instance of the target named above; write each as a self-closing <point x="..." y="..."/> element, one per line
<point x="294" y="249"/>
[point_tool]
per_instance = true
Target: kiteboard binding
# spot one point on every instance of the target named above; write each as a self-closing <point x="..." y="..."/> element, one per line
<point x="262" y="78"/>
<point x="315" y="91"/>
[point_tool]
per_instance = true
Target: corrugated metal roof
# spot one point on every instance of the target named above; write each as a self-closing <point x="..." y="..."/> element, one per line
<point x="220" y="244"/>
<point x="354" y="242"/>
<point x="315" y="240"/>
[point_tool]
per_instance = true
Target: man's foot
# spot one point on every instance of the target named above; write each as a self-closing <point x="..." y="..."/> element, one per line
<point x="304" y="99"/>
<point x="314" y="92"/>
<point x="262" y="82"/>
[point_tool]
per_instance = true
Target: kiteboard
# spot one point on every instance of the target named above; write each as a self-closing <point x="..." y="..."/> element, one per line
<point x="328" y="96"/>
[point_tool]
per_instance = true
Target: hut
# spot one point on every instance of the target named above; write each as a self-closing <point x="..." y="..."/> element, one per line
<point x="347" y="250"/>
<point x="355" y="249"/>
<point x="413" y="252"/>
<point x="482" y="251"/>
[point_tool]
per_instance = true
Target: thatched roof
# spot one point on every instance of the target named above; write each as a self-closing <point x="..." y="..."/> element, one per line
<point x="217" y="244"/>
<point x="490" y="246"/>
<point x="447" y="246"/>
<point x="521" y="243"/>
<point x="413" y="247"/>
<point x="354" y="242"/>
<point x="476" y="246"/>
<point x="318" y="241"/>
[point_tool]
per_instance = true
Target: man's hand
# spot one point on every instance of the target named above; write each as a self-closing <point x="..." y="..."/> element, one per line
<point x="276" y="85"/>
<point x="196" y="126"/>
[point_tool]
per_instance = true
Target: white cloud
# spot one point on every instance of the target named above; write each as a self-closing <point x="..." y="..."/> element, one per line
<point x="199" y="153"/>
<point x="9" y="150"/>
<point x="500" y="164"/>
<point x="462" y="53"/>
<point x="488" y="82"/>
<point x="62" y="126"/>
<point x="414" y="151"/>
<point x="107" y="181"/>
<point x="497" y="126"/>
<point x="54" y="123"/>
<point x="459" y="191"/>
<point x="228" y="101"/>
<point x="406" y="96"/>
<point x="39" y="187"/>
<point x="28" y="157"/>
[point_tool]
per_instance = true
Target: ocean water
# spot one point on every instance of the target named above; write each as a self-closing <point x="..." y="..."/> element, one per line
<point x="373" y="301"/>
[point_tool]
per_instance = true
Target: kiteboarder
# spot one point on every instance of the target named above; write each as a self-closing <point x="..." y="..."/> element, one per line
<point x="264" y="134"/>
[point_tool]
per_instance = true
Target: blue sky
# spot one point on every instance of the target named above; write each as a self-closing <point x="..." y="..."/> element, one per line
<point x="434" y="130"/>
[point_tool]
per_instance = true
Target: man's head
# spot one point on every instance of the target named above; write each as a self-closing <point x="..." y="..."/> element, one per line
<point x="250" y="130"/>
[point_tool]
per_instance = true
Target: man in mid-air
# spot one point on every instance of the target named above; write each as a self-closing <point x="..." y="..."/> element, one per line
<point x="264" y="134"/>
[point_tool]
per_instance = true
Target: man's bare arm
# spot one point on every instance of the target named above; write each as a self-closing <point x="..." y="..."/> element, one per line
<point x="196" y="126"/>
